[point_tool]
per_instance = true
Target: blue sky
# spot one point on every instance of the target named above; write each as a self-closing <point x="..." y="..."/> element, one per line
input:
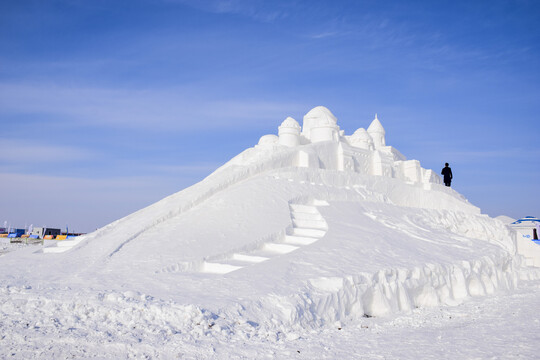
<point x="109" y="106"/>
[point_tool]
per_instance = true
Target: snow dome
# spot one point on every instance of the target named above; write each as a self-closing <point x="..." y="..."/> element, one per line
<point x="320" y="125"/>
<point x="377" y="133"/>
<point x="289" y="132"/>
<point x="361" y="139"/>
<point x="268" y="140"/>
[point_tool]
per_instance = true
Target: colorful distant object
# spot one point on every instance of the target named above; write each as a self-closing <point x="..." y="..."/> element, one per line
<point x="527" y="227"/>
<point x="41" y="232"/>
<point x="16" y="233"/>
<point x="527" y="230"/>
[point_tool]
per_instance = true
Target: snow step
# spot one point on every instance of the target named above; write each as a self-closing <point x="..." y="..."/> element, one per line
<point x="279" y="248"/>
<point x="306" y="216"/>
<point x="308" y="232"/>
<point x="218" y="268"/>
<point x="322" y="202"/>
<point x="67" y="243"/>
<point x="55" y="249"/>
<point x="311" y="224"/>
<point x="249" y="258"/>
<point x="299" y="240"/>
<point x="303" y="208"/>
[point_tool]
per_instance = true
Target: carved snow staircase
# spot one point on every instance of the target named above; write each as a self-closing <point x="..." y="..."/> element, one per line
<point x="308" y="226"/>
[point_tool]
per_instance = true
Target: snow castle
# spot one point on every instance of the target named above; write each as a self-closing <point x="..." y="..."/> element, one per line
<point x="365" y="151"/>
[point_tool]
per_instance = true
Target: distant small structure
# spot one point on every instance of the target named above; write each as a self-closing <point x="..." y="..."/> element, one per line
<point x="16" y="233"/>
<point x="41" y="232"/>
<point x="527" y="227"/>
<point x="527" y="242"/>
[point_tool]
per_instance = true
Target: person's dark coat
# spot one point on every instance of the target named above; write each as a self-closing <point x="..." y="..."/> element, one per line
<point x="447" y="173"/>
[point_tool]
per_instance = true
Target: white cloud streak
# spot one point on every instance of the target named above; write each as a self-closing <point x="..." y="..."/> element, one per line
<point x="22" y="151"/>
<point x="254" y="9"/>
<point x="142" y="109"/>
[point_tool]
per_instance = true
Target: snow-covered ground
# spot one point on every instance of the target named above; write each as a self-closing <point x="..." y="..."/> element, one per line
<point x="312" y="244"/>
<point x="78" y="325"/>
<point x="7" y="246"/>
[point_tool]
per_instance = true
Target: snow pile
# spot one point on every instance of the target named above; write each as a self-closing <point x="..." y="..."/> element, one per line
<point x="309" y="229"/>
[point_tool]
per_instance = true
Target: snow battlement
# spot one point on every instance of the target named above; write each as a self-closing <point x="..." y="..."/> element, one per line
<point x="321" y="144"/>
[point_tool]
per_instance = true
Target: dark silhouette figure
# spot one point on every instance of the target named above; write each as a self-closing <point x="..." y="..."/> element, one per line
<point x="447" y="173"/>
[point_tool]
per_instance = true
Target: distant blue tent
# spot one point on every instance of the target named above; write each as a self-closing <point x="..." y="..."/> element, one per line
<point x="527" y="219"/>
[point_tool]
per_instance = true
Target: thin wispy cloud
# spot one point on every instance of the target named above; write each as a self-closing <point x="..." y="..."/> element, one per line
<point x="503" y="153"/>
<point x="172" y="109"/>
<point x="324" y="35"/>
<point x="254" y="9"/>
<point x="27" y="151"/>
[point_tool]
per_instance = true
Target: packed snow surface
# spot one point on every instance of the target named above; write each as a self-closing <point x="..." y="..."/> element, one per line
<point x="305" y="235"/>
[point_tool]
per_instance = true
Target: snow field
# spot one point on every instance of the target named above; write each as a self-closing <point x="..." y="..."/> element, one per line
<point x="121" y="323"/>
<point x="7" y="246"/>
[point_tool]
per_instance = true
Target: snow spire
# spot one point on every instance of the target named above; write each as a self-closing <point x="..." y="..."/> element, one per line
<point x="377" y="132"/>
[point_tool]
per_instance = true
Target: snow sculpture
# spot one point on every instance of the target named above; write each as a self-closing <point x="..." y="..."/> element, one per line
<point x="376" y="131"/>
<point x="361" y="139"/>
<point x="381" y="164"/>
<point x="320" y="125"/>
<point x="431" y="177"/>
<point x="412" y="170"/>
<point x="268" y="140"/>
<point x="321" y="144"/>
<point x="289" y="133"/>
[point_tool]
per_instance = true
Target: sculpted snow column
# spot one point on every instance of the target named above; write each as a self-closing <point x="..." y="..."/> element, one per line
<point x="320" y="125"/>
<point x="376" y="131"/>
<point x="289" y="133"/>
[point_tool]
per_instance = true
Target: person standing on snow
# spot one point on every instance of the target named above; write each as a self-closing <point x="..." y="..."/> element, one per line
<point x="447" y="173"/>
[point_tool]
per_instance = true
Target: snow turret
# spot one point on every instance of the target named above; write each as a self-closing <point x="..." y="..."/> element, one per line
<point x="361" y="139"/>
<point x="377" y="133"/>
<point x="289" y="132"/>
<point x="320" y="125"/>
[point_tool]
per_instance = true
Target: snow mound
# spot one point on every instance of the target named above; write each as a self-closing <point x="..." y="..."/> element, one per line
<point x="308" y="228"/>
